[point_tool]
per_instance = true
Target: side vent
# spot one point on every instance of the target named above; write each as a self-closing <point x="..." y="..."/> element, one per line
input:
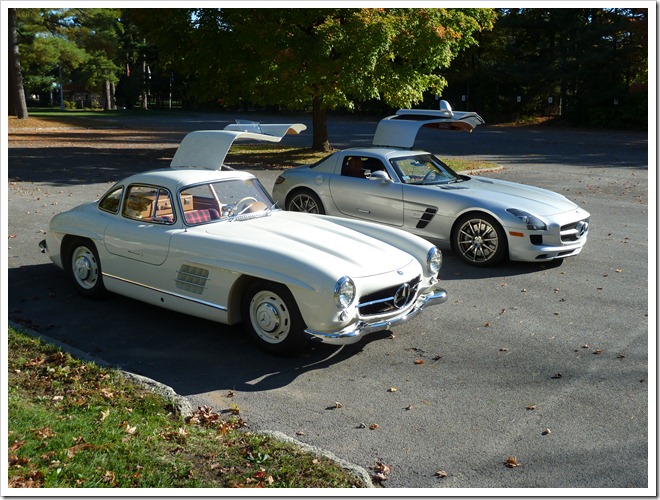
<point x="426" y="218"/>
<point x="192" y="279"/>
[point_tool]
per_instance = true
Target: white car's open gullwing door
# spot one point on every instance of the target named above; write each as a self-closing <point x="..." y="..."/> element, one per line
<point x="208" y="148"/>
<point x="400" y="130"/>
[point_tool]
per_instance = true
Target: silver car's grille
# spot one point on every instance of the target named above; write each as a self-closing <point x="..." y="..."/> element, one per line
<point x="389" y="299"/>
<point x="574" y="231"/>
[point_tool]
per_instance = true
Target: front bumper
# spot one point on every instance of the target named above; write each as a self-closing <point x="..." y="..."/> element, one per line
<point x="362" y="328"/>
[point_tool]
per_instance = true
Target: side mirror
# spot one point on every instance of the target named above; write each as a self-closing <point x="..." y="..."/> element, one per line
<point x="380" y="175"/>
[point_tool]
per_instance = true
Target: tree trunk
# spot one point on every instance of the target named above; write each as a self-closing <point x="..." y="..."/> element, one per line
<point x="109" y="102"/>
<point x="17" y="105"/>
<point x="320" y="141"/>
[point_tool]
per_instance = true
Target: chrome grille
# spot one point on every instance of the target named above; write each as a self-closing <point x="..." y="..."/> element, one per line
<point x="389" y="299"/>
<point x="574" y="231"/>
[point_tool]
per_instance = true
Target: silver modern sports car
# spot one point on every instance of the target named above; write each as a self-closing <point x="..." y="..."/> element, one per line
<point x="485" y="221"/>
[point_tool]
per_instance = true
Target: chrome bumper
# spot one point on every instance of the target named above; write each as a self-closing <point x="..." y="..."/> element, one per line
<point x="362" y="328"/>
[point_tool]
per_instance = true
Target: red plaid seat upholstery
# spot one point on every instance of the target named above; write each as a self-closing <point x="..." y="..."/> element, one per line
<point x="199" y="216"/>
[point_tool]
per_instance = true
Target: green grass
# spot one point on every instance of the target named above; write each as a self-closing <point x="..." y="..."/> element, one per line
<point x="76" y="425"/>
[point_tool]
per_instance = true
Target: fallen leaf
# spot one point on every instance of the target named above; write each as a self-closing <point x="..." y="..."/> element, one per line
<point x="419" y="361"/>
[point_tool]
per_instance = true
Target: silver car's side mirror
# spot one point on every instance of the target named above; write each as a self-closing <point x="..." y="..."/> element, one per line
<point x="380" y="175"/>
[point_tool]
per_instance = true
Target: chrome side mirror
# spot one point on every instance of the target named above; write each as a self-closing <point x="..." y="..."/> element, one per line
<point x="380" y="175"/>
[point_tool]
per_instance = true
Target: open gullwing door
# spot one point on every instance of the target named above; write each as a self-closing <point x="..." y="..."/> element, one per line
<point x="400" y="130"/>
<point x="208" y="149"/>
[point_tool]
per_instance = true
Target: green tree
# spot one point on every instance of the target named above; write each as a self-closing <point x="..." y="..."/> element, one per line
<point x="330" y="58"/>
<point x="60" y="45"/>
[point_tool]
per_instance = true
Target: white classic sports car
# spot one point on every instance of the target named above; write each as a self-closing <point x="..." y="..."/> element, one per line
<point x="483" y="220"/>
<point x="206" y="240"/>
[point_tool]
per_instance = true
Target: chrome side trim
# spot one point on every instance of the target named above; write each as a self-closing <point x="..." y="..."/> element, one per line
<point x="172" y="294"/>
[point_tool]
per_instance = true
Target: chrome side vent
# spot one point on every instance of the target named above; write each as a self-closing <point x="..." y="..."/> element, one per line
<point x="192" y="279"/>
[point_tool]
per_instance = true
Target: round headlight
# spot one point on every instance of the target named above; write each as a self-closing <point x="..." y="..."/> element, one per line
<point x="434" y="260"/>
<point x="344" y="292"/>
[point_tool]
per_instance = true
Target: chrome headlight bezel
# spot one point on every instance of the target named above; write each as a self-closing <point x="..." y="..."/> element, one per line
<point x="532" y="221"/>
<point x="344" y="292"/>
<point x="434" y="261"/>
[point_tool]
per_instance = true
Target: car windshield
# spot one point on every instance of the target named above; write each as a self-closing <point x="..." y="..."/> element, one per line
<point x="424" y="169"/>
<point x="230" y="199"/>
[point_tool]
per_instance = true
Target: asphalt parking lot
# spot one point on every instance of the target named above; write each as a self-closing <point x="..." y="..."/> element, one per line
<point x="545" y="363"/>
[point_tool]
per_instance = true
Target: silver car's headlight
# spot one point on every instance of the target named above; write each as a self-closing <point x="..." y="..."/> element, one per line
<point x="344" y="292"/>
<point x="533" y="222"/>
<point x="434" y="261"/>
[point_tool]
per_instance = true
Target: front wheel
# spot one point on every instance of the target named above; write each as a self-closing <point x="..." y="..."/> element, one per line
<point x="479" y="240"/>
<point x="84" y="268"/>
<point x="305" y="201"/>
<point x="272" y="318"/>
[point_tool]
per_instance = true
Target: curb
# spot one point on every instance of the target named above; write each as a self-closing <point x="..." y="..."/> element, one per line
<point x="184" y="408"/>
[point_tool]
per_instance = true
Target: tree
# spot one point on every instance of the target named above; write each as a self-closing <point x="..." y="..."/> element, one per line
<point x="17" y="104"/>
<point x="329" y="58"/>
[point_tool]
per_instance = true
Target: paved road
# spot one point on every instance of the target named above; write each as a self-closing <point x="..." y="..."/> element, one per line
<point x="548" y="364"/>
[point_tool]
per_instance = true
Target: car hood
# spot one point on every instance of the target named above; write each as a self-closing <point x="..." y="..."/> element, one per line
<point x="314" y="241"/>
<point x="491" y="192"/>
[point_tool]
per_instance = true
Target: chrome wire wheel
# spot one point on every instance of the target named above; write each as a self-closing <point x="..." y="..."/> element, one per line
<point x="305" y="202"/>
<point x="480" y="241"/>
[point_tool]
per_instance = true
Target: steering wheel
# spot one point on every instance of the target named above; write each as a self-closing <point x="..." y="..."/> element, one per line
<point x="428" y="175"/>
<point x="244" y="203"/>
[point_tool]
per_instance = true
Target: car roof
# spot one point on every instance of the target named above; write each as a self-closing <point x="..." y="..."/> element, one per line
<point x="400" y="130"/>
<point x="175" y="179"/>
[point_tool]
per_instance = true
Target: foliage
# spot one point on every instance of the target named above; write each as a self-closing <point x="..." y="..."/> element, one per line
<point x="592" y="62"/>
<point x="505" y="64"/>
<point x="76" y="425"/>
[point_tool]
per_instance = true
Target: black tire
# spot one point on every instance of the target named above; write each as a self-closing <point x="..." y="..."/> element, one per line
<point x="479" y="240"/>
<point x="83" y="267"/>
<point x="305" y="201"/>
<point x="272" y="319"/>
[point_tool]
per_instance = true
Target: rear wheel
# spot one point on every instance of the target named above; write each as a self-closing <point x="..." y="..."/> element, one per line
<point x="272" y="318"/>
<point x="479" y="240"/>
<point x="305" y="201"/>
<point x="84" y="268"/>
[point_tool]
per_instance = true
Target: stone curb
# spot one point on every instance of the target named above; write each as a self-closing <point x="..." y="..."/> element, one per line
<point x="183" y="406"/>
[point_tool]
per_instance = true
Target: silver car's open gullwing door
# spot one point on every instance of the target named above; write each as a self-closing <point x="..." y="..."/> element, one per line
<point x="208" y="148"/>
<point x="400" y="130"/>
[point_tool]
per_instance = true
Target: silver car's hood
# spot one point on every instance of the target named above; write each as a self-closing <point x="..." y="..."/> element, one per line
<point x="495" y="192"/>
<point x="312" y="241"/>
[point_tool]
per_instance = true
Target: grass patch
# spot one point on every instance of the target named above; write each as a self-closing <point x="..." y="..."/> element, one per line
<point x="76" y="425"/>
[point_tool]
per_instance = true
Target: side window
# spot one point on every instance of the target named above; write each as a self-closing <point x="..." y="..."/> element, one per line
<point x="148" y="203"/>
<point x="353" y="167"/>
<point x="110" y="202"/>
<point x="361" y="166"/>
